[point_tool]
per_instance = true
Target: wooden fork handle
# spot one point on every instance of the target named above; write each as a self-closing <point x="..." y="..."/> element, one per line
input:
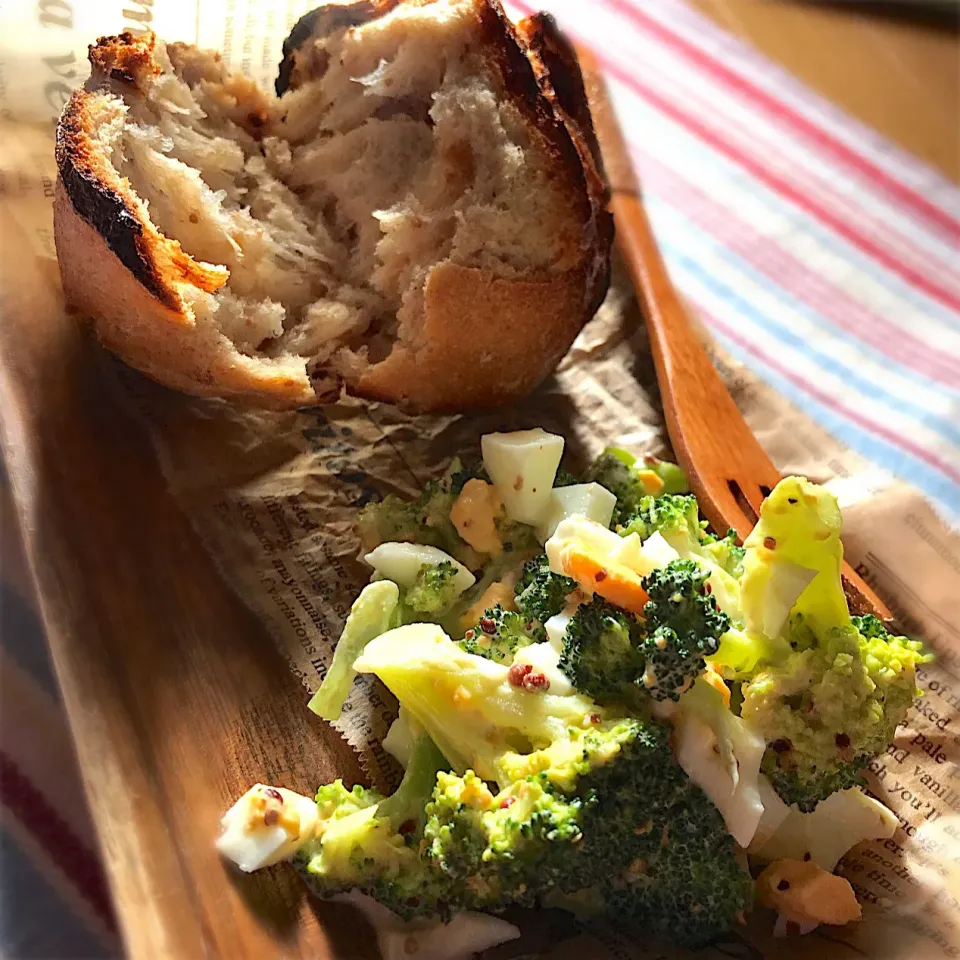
<point x="693" y="394"/>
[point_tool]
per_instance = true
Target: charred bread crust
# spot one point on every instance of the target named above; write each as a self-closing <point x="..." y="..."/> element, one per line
<point x="156" y="339"/>
<point x="319" y="22"/>
<point x="102" y="198"/>
<point x="103" y="208"/>
<point x="561" y="79"/>
<point x="558" y="73"/>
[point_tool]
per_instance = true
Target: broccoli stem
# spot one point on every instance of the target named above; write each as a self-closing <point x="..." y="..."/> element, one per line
<point x="410" y="799"/>
<point x="371" y="615"/>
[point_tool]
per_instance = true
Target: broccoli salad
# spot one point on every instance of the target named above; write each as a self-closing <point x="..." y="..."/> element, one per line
<point x="604" y="707"/>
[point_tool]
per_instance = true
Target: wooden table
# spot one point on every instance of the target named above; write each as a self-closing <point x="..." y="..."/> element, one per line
<point x="901" y="76"/>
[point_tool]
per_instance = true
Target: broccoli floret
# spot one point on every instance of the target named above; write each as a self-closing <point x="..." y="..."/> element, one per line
<point x="500" y="633"/>
<point x="674" y="517"/>
<point x="425" y="519"/>
<point x="366" y="843"/>
<point x="725" y="551"/>
<point x="504" y="849"/>
<point x="434" y="590"/>
<point x="612" y="655"/>
<point x="829" y="690"/>
<point x="626" y="478"/>
<point x="805" y="788"/>
<point x="540" y="593"/>
<point x="684" y="625"/>
<point x="601" y="652"/>
<point x="584" y="799"/>
<point x="680" y="598"/>
<point x="564" y="479"/>
<point x="827" y="710"/>
<point x="871" y="627"/>
<point x="691" y="888"/>
<point x="607" y="820"/>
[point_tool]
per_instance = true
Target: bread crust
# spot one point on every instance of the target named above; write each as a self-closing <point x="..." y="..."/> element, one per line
<point x="481" y="340"/>
<point x="158" y="340"/>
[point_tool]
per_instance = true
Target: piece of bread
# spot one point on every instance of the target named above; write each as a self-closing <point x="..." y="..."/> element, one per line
<point x="419" y="215"/>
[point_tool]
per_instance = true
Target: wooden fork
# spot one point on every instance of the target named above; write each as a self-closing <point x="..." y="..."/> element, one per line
<point x="729" y="471"/>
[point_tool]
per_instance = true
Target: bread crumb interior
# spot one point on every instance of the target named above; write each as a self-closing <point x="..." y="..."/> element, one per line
<point x="330" y="205"/>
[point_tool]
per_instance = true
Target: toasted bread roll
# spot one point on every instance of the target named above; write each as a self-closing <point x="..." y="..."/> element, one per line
<point x="418" y="214"/>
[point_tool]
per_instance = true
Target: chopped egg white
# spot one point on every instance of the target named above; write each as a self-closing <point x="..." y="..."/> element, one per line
<point x="466" y="935"/>
<point x="630" y="552"/>
<point x="657" y="551"/>
<point x="723" y="759"/>
<point x="641" y="557"/>
<point x="556" y="627"/>
<point x="400" y="738"/>
<point x="545" y="659"/>
<point x="767" y="609"/>
<point x="588" y="500"/>
<point x="401" y="562"/>
<point x="774" y="813"/>
<point x="825" y="834"/>
<point x="523" y="466"/>
<point x="266" y="825"/>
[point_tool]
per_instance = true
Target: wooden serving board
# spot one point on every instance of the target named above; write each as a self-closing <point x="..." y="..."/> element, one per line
<point x="176" y="697"/>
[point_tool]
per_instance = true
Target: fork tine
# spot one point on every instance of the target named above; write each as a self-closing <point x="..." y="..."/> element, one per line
<point x="720" y="507"/>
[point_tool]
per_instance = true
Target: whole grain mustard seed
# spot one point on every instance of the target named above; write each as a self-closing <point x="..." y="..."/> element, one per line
<point x="517" y="673"/>
<point x="536" y="681"/>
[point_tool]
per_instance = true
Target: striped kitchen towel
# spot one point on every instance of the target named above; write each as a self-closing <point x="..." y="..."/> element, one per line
<point x="53" y="896"/>
<point x="818" y="253"/>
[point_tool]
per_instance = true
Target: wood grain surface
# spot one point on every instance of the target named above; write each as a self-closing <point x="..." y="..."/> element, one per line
<point x="176" y="698"/>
